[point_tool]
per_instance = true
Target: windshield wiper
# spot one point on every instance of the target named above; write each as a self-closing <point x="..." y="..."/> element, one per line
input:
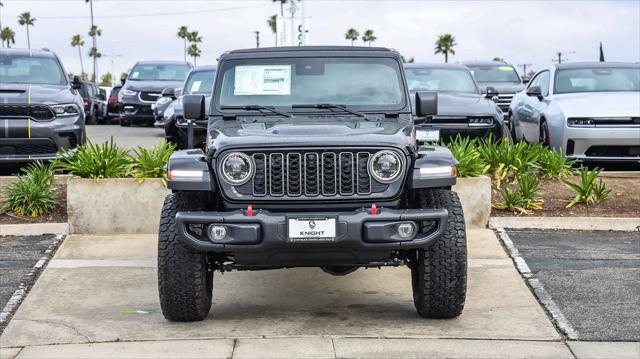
<point x="257" y="108"/>
<point x="331" y="106"/>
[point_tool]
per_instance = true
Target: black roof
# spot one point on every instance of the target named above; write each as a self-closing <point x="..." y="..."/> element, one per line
<point x="291" y="51"/>
<point x="435" y="66"/>
<point x="579" y="65"/>
<point x="148" y="62"/>
<point x="27" y="52"/>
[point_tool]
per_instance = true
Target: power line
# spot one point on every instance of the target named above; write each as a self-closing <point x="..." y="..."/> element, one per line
<point x="128" y="16"/>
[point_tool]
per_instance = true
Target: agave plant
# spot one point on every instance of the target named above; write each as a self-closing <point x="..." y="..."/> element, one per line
<point x="529" y="188"/>
<point x="33" y="194"/>
<point x="96" y="161"/>
<point x="553" y="164"/>
<point x="152" y="163"/>
<point x="466" y="152"/>
<point x="587" y="190"/>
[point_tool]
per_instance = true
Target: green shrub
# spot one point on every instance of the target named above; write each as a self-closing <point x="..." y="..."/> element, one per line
<point x="587" y="190"/>
<point x="96" y="161"/>
<point x="466" y="152"/>
<point x="553" y="164"/>
<point x="507" y="160"/>
<point x="152" y="163"/>
<point x="33" y="194"/>
<point x="522" y="196"/>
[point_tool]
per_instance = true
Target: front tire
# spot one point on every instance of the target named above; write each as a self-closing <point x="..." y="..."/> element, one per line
<point x="545" y="139"/>
<point x="439" y="272"/>
<point x="185" y="278"/>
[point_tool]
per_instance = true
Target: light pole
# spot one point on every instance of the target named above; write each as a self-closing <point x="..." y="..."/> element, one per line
<point x="257" y="38"/>
<point x="113" y="75"/>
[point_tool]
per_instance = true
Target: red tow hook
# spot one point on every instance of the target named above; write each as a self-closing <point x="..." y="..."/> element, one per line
<point x="249" y="211"/>
<point x="374" y="209"/>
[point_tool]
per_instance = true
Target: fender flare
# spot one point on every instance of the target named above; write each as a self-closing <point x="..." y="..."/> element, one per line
<point x="188" y="170"/>
<point x="434" y="167"/>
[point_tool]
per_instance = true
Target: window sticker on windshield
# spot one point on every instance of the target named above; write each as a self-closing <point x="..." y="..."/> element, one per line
<point x="195" y="86"/>
<point x="262" y="80"/>
<point x="504" y="68"/>
<point x="135" y="74"/>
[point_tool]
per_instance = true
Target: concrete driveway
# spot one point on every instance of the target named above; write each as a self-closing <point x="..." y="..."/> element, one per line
<point x="102" y="290"/>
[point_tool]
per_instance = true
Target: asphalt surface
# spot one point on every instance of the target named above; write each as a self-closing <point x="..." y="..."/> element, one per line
<point x="129" y="137"/>
<point x="594" y="278"/>
<point x="17" y="257"/>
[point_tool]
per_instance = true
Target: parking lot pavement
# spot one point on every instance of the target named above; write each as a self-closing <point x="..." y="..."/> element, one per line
<point x="18" y="255"/>
<point x="104" y="289"/>
<point x="593" y="277"/>
<point x="128" y="137"/>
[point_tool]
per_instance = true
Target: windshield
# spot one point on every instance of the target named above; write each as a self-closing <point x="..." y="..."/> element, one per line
<point x="357" y="82"/>
<point x="199" y="83"/>
<point x="494" y="73"/>
<point x="440" y="80"/>
<point x="159" y="72"/>
<point x="597" y="80"/>
<point x="23" y="69"/>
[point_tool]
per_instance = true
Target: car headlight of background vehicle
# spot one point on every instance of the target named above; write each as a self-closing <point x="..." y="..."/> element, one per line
<point x="65" y="110"/>
<point x="127" y="92"/>
<point x="385" y="166"/>
<point x="237" y="168"/>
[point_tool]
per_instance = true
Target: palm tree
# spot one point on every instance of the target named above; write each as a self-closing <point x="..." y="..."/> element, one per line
<point x="352" y="34"/>
<point x="273" y="25"/>
<point x="183" y="33"/>
<point x="445" y="45"/>
<point x="76" y="41"/>
<point x="194" y="38"/>
<point x="1" y="6"/>
<point x="93" y="37"/>
<point x="194" y="52"/>
<point x="25" y="19"/>
<point x="94" y="53"/>
<point x="368" y="37"/>
<point x="9" y="36"/>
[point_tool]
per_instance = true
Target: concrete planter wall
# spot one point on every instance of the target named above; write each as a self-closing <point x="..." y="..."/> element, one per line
<point x="115" y="205"/>
<point x="475" y="195"/>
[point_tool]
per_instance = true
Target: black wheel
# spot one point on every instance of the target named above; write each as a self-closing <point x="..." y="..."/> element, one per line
<point x="545" y="136"/>
<point x="124" y="123"/>
<point x="185" y="278"/>
<point x="439" y="273"/>
<point x="92" y="119"/>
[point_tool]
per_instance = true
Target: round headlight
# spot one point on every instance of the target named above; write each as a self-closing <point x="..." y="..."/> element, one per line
<point x="237" y="168"/>
<point x="385" y="166"/>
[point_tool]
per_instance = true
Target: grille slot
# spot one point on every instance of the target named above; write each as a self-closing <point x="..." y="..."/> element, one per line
<point x="322" y="173"/>
<point x="149" y="96"/>
<point x="36" y="112"/>
<point x="27" y="147"/>
<point x="504" y="100"/>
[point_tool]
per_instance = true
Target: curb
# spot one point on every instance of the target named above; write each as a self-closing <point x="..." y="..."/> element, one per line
<point x="626" y="224"/>
<point x="34" y="229"/>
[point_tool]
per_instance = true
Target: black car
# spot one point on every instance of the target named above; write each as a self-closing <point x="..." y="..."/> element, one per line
<point x="311" y="161"/>
<point x="94" y="100"/>
<point x="41" y="111"/>
<point x="199" y="82"/>
<point x="501" y="77"/>
<point x="114" y="107"/>
<point x="144" y="86"/>
<point x="462" y="109"/>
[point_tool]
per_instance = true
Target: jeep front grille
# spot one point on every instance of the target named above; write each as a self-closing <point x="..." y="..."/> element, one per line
<point x="36" y="112"/>
<point x="319" y="174"/>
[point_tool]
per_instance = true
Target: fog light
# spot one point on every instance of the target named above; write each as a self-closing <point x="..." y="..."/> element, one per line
<point x="406" y="230"/>
<point x="218" y="233"/>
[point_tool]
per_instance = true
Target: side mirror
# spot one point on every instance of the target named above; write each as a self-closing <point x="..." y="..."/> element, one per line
<point x="76" y="83"/>
<point x="426" y="104"/>
<point x="123" y="79"/>
<point x="535" y="91"/>
<point x="193" y="107"/>
<point x="491" y="92"/>
<point x="169" y="92"/>
<point x="178" y="92"/>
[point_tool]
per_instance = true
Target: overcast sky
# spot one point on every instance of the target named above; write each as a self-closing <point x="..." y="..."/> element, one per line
<point x="519" y="31"/>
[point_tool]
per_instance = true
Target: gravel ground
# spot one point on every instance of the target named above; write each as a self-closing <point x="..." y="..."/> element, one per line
<point x="594" y="277"/>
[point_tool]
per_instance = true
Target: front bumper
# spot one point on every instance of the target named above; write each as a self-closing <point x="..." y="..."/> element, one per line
<point x="361" y="238"/>
<point x="602" y="144"/>
<point x="23" y="140"/>
<point x="137" y="112"/>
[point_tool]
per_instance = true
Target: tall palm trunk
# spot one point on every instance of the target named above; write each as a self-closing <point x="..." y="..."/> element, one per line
<point x="185" y="49"/>
<point x="95" y="59"/>
<point x="446" y="57"/>
<point x="81" y="63"/>
<point x="28" y="39"/>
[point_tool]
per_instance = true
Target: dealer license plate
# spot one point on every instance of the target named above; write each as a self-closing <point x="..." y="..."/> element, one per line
<point x="312" y="229"/>
<point x="428" y="135"/>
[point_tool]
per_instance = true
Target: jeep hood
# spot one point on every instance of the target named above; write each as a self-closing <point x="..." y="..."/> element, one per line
<point x="450" y="104"/>
<point x="40" y="94"/>
<point x="314" y="131"/>
<point x="151" y="86"/>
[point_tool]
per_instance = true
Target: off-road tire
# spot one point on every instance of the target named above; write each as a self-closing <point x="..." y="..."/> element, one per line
<point x="439" y="273"/>
<point x="185" y="279"/>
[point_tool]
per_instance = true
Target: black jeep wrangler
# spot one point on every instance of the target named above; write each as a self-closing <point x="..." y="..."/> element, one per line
<point x="311" y="161"/>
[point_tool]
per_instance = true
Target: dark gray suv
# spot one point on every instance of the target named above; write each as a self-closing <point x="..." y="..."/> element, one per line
<point x="41" y="111"/>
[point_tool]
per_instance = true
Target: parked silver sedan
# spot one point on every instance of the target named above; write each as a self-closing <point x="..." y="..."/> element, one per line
<point x="591" y="111"/>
